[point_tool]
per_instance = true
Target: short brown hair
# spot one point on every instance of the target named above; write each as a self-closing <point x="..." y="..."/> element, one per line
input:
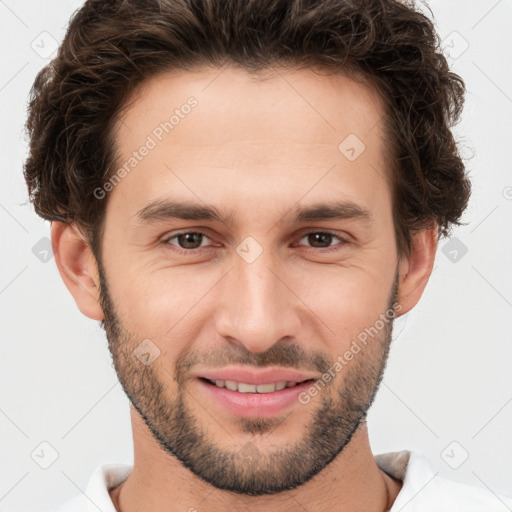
<point x="112" y="46"/>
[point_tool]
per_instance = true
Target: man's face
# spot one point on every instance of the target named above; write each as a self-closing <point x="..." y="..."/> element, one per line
<point x="263" y="290"/>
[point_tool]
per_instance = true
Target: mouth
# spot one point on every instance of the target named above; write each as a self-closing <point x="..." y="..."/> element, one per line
<point x="244" y="387"/>
<point x="264" y="397"/>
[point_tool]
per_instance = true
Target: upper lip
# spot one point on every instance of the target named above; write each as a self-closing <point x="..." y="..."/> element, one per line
<point x="255" y="376"/>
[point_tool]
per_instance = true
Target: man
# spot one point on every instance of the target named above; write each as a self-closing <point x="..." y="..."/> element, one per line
<point x="245" y="195"/>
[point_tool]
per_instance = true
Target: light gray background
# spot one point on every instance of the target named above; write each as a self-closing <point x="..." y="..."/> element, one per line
<point x="449" y="375"/>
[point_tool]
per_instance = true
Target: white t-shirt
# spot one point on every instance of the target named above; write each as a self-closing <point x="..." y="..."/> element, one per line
<point x="423" y="490"/>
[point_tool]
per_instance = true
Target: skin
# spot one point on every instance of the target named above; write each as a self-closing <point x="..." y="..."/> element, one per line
<point x="253" y="148"/>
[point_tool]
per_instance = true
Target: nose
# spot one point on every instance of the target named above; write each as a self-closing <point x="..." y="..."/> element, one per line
<point x="258" y="306"/>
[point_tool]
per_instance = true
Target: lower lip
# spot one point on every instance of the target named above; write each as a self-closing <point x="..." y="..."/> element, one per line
<point x="255" y="405"/>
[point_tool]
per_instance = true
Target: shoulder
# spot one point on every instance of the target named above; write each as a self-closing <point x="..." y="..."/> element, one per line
<point x="423" y="489"/>
<point x="96" y="495"/>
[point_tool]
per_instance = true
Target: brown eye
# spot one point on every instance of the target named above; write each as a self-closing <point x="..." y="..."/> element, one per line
<point x="321" y="239"/>
<point x="188" y="240"/>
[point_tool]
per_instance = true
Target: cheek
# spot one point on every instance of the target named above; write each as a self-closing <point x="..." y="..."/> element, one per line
<point x="347" y="300"/>
<point x="165" y="305"/>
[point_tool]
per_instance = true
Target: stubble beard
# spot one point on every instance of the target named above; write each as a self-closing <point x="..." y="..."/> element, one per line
<point x="249" y="469"/>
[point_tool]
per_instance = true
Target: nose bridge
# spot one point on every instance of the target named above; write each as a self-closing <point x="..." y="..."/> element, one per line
<point x="258" y="309"/>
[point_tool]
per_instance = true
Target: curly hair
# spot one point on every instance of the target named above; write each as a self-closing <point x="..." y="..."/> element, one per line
<point x="112" y="46"/>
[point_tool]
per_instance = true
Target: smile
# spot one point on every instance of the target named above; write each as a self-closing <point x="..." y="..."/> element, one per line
<point x="243" y="387"/>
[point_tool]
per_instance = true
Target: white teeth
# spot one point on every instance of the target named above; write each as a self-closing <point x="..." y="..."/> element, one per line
<point x="232" y="385"/>
<point x="243" y="387"/>
<point x="246" y="388"/>
<point x="265" y="388"/>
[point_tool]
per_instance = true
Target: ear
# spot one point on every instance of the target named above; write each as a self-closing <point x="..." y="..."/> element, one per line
<point x="77" y="267"/>
<point x="416" y="268"/>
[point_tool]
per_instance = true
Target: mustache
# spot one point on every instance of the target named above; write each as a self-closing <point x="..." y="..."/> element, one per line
<point x="289" y="355"/>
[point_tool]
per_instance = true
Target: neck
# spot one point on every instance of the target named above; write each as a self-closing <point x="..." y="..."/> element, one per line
<point x="158" y="482"/>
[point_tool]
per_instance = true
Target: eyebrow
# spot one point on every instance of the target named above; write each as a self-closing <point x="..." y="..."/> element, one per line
<point x="161" y="210"/>
<point x="168" y="209"/>
<point x="330" y="211"/>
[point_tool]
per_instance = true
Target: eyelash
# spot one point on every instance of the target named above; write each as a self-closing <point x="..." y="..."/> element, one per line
<point x="200" y="250"/>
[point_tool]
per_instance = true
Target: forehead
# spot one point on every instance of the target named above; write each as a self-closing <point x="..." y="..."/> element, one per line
<point x="249" y="133"/>
<point x="263" y="102"/>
